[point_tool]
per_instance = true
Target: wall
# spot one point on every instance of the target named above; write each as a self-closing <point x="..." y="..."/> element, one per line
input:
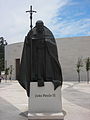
<point x="69" y="50"/>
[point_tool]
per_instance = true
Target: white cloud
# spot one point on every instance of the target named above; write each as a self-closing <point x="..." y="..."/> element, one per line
<point x="47" y="9"/>
<point x="72" y="27"/>
<point x="14" y="21"/>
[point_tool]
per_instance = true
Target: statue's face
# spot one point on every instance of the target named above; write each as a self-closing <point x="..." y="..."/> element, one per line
<point x="39" y="27"/>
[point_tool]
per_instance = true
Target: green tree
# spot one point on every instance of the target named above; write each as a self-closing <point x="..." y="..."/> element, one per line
<point x="87" y="61"/>
<point x="3" y="43"/>
<point x="6" y="72"/>
<point x="10" y="71"/>
<point x="78" y="68"/>
<point x="1" y="64"/>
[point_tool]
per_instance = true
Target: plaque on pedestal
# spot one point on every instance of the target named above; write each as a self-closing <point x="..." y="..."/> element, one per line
<point x="45" y="102"/>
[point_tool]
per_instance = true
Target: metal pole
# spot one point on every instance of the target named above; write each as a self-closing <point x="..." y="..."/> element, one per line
<point x="31" y="12"/>
<point x="31" y="40"/>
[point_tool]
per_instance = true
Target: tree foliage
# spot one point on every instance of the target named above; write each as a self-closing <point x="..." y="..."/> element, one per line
<point x="87" y="61"/>
<point x="3" y="43"/>
<point x="78" y="67"/>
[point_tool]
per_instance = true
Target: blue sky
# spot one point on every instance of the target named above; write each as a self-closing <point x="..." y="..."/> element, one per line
<point x="65" y="18"/>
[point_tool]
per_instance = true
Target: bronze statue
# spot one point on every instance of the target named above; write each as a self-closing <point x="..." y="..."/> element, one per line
<point x="45" y="64"/>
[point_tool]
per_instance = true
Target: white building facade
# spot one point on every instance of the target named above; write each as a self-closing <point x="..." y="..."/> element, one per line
<point x="69" y="50"/>
<point x="12" y="57"/>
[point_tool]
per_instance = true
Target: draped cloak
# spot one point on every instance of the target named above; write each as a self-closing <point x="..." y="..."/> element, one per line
<point x="53" y="68"/>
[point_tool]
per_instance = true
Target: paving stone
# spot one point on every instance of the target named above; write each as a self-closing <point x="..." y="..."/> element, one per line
<point x="75" y="98"/>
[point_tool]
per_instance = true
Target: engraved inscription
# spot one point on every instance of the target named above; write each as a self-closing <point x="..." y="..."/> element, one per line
<point x="44" y="95"/>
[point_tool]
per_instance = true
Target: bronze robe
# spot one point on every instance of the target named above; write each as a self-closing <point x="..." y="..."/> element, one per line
<point x="45" y="64"/>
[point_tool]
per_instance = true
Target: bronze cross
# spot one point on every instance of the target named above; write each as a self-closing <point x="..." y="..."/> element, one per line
<point x="31" y="12"/>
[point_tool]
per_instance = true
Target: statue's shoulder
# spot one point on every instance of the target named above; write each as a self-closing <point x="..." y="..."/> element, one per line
<point x="48" y="33"/>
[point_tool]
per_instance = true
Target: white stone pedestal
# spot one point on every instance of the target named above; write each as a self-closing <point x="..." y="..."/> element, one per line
<point x="44" y="102"/>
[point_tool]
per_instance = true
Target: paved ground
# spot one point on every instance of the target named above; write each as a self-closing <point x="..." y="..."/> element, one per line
<point x="76" y="101"/>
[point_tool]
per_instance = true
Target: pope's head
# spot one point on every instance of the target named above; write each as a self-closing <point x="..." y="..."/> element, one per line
<point x="39" y="26"/>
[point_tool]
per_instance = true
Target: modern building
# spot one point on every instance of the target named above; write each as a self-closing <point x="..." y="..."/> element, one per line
<point x="69" y="50"/>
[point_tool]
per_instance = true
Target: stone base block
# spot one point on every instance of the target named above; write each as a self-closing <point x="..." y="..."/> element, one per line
<point x="46" y="116"/>
<point x="45" y="103"/>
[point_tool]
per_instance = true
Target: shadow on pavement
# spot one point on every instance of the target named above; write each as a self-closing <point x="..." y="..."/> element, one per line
<point x="9" y="111"/>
